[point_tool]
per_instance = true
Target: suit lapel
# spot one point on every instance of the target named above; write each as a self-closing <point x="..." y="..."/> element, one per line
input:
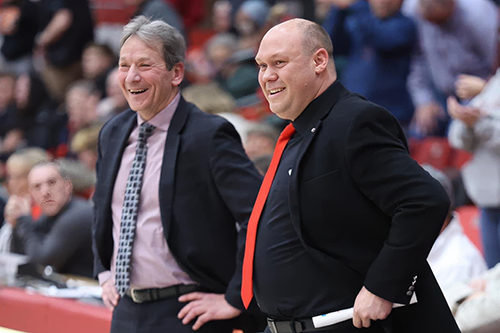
<point x="110" y="164"/>
<point x="168" y="169"/>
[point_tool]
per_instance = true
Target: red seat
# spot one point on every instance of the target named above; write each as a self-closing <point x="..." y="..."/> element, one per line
<point x="435" y="151"/>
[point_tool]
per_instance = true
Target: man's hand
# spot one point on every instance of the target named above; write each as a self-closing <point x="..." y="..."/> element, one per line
<point x="368" y="307"/>
<point x="469" y="86"/>
<point x="468" y="115"/>
<point x="15" y="208"/>
<point x="110" y="295"/>
<point x="426" y="117"/>
<point x="205" y="307"/>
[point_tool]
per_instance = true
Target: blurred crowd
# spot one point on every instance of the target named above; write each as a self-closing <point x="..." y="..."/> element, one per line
<point x="431" y="63"/>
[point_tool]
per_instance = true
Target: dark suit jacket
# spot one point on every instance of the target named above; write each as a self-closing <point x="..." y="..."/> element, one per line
<point x="207" y="185"/>
<point x="366" y="210"/>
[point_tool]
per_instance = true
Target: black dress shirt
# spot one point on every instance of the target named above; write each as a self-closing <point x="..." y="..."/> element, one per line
<point x="283" y="267"/>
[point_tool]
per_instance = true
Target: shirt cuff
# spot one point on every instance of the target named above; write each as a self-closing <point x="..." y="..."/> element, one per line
<point x="103" y="277"/>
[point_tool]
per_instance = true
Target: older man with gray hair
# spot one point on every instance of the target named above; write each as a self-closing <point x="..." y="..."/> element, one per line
<point x="173" y="184"/>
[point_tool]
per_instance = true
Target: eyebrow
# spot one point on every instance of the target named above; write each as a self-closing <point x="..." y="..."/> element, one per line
<point x="141" y="59"/>
<point x="274" y="56"/>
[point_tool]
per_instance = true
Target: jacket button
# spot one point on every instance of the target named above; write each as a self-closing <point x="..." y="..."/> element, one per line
<point x="411" y="288"/>
<point x="409" y="293"/>
<point x="313" y="129"/>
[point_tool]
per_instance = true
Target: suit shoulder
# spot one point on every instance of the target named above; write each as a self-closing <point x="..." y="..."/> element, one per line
<point x="118" y="119"/>
<point x="354" y="105"/>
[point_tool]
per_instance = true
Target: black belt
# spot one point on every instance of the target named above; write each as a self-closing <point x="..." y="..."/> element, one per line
<point x="155" y="294"/>
<point x="293" y="326"/>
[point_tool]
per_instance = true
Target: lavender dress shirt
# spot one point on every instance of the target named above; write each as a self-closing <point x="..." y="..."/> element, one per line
<point x="152" y="263"/>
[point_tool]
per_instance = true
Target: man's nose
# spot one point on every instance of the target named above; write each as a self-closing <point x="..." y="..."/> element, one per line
<point x="268" y="75"/>
<point x="133" y="75"/>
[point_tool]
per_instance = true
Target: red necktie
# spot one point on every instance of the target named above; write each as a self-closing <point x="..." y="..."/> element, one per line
<point x="247" y="282"/>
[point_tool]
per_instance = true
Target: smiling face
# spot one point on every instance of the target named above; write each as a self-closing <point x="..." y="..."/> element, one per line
<point x="146" y="82"/>
<point x="288" y="75"/>
<point x="49" y="189"/>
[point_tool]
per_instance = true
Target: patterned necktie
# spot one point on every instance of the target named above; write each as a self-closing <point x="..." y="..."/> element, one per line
<point x="247" y="278"/>
<point x="130" y="210"/>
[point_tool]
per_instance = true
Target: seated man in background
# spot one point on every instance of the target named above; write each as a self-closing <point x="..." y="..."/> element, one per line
<point x="62" y="236"/>
<point x="17" y="168"/>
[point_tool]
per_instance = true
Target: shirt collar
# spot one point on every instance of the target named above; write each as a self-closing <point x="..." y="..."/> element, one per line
<point x="319" y="107"/>
<point x="162" y="119"/>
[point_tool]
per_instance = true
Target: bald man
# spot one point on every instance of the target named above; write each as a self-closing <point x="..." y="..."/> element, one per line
<point x="350" y="218"/>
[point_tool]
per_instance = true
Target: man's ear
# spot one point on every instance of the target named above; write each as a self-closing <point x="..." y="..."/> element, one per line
<point x="321" y="59"/>
<point x="178" y="71"/>
<point x="69" y="186"/>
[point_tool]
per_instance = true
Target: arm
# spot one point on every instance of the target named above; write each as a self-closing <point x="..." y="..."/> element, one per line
<point x="60" y="23"/>
<point x="334" y="24"/>
<point x="385" y="35"/>
<point x="379" y="164"/>
<point x="55" y="245"/>
<point x="238" y="182"/>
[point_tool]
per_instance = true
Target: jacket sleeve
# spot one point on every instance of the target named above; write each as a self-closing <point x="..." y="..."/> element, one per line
<point x="379" y="164"/>
<point x="238" y="182"/>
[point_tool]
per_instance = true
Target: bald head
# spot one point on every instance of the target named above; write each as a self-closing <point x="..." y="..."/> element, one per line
<point x="312" y="34"/>
<point x="296" y="66"/>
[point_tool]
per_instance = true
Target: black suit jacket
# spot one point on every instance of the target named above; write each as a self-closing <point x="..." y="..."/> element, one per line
<point x="366" y="210"/>
<point x="207" y="185"/>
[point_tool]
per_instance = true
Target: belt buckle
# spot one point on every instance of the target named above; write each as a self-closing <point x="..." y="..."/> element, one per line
<point x="134" y="296"/>
<point x="272" y="325"/>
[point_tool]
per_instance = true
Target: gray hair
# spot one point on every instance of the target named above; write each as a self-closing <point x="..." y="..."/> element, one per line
<point x="158" y="34"/>
<point x="58" y="164"/>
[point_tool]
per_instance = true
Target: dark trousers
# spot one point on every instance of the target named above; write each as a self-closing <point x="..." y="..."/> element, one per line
<point x="157" y="317"/>
<point x="346" y="327"/>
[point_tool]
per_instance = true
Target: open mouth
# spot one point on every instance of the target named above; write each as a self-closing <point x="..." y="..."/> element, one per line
<point x="138" y="91"/>
<point x="275" y="91"/>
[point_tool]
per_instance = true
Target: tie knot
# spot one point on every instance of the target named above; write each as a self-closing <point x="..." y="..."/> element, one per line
<point x="287" y="133"/>
<point x="145" y="131"/>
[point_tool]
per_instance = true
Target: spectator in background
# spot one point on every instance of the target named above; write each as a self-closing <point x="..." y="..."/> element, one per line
<point x="2" y="206"/>
<point x="158" y="10"/>
<point x="81" y="106"/>
<point x="377" y="40"/>
<point x="210" y="98"/>
<point x="18" y="167"/>
<point x="221" y="16"/>
<point x="84" y="145"/>
<point x="66" y="27"/>
<point x="115" y="102"/>
<point x="97" y="62"/>
<point x="260" y="140"/>
<point x="192" y="12"/>
<point x="455" y="37"/>
<point x="62" y="236"/>
<point x="11" y="136"/>
<point x="39" y="115"/>
<point x="453" y="257"/>
<point x="476" y="128"/>
<point x="477" y="310"/>
<point x="251" y="24"/>
<point x="18" y="27"/>
<point x="235" y="71"/>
